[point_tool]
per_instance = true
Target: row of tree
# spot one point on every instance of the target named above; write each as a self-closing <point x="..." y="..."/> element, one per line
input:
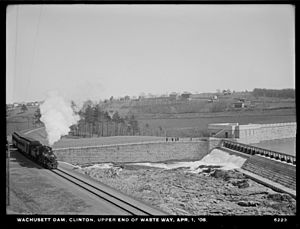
<point x="96" y="121"/>
<point x="283" y="93"/>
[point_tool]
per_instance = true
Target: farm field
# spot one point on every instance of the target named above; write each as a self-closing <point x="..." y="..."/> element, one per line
<point x="183" y="124"/>
<point x="174" y="124"/>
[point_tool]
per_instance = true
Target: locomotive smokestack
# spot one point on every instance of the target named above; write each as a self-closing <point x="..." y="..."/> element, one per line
<point x="58" y="116"/>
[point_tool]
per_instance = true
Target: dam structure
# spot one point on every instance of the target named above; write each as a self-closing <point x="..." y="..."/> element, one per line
<point x="278" y="168"/>
<point x="274" y="169"/>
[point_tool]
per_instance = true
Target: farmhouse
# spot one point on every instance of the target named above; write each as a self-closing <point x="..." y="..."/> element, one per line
<point x="238" y="105"/>
<point x="17" y="104"/>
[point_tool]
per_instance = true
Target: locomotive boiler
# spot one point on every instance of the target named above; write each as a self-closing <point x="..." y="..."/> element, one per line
<point x="34" y="150"/>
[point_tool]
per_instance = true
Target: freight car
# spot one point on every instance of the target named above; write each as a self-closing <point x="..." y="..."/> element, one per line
<point x="34" y="150"/>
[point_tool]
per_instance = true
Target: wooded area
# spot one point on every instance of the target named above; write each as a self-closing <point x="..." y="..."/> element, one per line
<point x="283" y="93"/>
<point x="95" y="121"/>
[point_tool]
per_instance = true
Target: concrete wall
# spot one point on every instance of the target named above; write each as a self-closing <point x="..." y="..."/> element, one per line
<point x="263" y="132"/>
<point x="136" y="152"/>
<point x="253" y="133"/>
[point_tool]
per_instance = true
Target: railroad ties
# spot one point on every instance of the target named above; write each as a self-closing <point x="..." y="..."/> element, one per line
<point x="253" y="150"/>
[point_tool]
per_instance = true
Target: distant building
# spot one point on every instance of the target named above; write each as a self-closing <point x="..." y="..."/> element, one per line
<point x="238" y="105"/>
<point x="17" y="105"/>
<point x="203" y="96"/>
<point x="227" y="92"/>
<point x="186" y="95"/>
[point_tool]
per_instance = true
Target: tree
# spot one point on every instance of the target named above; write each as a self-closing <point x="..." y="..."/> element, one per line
<point x="116" y="119"/>
<point x="160" y="130"/>
<point x="74" y="107"/>
<point x="98" y="119"/>
<point x="107" y="120"/>
<point x="37" y="116"/>
<point x="24" y="108"/>
<point x="122" y="124"/>
<point x="147" y="130"/>
<point x="89" y="118"/>
<point x="133" y="124"/>
<point x="283" y="93"/>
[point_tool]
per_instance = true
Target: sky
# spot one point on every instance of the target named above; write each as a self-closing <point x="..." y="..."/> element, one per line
<point x="97" y="51"/>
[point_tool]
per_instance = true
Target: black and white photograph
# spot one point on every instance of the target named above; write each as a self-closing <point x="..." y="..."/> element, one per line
<point x="150" y="110"/>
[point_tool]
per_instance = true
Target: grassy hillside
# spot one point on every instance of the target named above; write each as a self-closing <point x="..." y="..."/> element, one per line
<point x="16" y="120"/>
<point x="185" y="118"/>
<point x="182" y="118"/>
<point x="147" y="108"/>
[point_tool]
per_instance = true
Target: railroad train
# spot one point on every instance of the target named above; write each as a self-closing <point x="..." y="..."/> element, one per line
<point x="34" y="150"/>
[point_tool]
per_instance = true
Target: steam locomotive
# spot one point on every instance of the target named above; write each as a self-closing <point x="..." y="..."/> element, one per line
<point x="34" y="150"/>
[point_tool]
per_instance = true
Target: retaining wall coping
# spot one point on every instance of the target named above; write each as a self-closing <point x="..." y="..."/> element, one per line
<point x="128" y="144"/>
<point x="258" y="148"/>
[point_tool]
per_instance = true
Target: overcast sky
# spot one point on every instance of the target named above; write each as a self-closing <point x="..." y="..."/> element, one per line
<point x="97" y="51"/>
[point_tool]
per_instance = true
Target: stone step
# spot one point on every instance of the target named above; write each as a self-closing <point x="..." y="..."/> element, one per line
<point x="267" y="172"/>
<point x="285" y="170"/>
<point x="281" y="173"/>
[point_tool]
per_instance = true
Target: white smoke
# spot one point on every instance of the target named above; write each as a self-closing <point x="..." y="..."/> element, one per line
<point x="58" y="116"/>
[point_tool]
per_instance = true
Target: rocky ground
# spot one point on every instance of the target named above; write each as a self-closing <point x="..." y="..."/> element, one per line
<point x="181" y="192"/>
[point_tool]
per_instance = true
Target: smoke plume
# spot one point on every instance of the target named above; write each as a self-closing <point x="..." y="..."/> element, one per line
<point x="58" y="116"/>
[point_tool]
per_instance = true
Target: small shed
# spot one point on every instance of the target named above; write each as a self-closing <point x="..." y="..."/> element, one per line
<point x="238" y="105"/>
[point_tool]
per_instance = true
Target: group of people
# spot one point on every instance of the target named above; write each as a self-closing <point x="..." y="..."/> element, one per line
<point x="175" y="139"/>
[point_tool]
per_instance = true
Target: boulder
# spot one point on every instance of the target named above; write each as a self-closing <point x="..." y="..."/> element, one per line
<point x="248" y="203"/>
<point x="279" y="197"/>
<point x="241" y="183"/>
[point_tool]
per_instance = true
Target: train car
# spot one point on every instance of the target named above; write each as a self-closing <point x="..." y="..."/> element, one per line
<point x="34" y="150"/>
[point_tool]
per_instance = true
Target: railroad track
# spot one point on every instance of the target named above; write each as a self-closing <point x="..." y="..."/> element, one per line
<point x="136" y="208"/>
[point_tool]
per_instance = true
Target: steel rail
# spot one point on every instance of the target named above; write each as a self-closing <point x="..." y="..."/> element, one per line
<point x="122" y="204"/>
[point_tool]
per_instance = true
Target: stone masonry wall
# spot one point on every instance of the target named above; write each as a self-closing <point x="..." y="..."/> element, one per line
<point x="137" y="152"/>
<point x="277" y="131"/>
<point x="268" y="132"/>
